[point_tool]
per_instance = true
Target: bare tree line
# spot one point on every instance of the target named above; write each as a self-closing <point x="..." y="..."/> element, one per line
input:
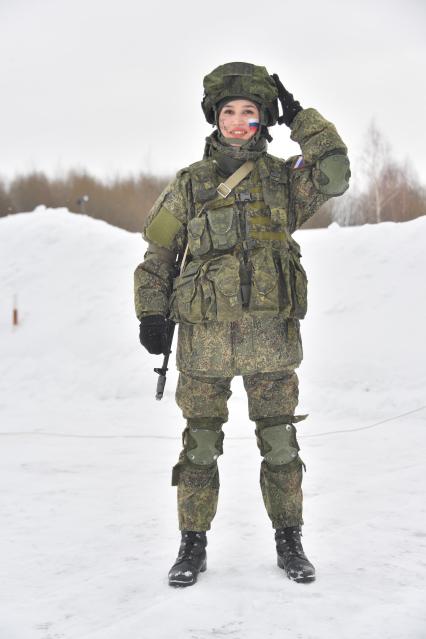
<point x="122" y="202"/>
<point x="387" y="191"/>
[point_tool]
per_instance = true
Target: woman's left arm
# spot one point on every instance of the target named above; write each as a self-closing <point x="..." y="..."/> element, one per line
<point x="323" y="169"/>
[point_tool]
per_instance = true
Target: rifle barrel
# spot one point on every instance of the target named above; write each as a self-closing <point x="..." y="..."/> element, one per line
<point x="161" y="382"/>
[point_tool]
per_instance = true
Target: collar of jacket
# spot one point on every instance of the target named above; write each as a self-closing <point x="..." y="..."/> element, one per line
<point x="229" y="158"/>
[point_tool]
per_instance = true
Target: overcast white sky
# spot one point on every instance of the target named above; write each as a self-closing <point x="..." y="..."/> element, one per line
<point x="115" y="86"/>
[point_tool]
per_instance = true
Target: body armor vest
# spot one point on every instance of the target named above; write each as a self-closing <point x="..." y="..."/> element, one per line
<point x="242" y="258"/>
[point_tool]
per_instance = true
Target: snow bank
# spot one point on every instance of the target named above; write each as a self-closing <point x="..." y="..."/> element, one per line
<point x="363" y="337"/>
<point x="88" y="519"/>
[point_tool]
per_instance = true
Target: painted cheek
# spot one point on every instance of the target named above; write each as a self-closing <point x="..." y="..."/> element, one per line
<point x="223" y="124"/>
<point x="253" y="125"/>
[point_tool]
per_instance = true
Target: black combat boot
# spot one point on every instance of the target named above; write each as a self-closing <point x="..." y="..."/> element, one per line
<point x="191" y="560"/>
<point x="290" y="555"/>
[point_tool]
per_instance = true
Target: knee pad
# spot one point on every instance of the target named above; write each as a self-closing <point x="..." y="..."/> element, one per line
<point x="278" y="444"/>
<point x="203" y="445"/>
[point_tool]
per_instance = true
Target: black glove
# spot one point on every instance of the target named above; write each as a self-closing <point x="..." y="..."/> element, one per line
<point x="290" y="106"/>
<point x="153" y="334"/>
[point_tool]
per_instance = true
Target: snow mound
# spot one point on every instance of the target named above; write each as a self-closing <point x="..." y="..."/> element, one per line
<point x="89" y="525"/>
<point x="73" y="277"/>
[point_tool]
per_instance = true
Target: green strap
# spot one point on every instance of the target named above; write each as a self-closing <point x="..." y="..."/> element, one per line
<point x="268" y="235"/>
<point x="260" y="219"/>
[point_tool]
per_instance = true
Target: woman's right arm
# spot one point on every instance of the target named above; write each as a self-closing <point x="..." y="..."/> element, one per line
<point x="165" y="232"/>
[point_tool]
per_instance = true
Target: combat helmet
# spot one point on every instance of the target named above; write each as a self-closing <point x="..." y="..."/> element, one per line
<point x="241" y="80"/>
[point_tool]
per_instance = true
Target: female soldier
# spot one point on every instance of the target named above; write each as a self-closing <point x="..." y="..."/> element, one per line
<point x="239" y="296"/>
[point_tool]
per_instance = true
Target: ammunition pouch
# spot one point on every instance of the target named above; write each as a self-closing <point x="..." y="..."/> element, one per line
<point x="211" y="290"/>
<point x="207" y="291"/>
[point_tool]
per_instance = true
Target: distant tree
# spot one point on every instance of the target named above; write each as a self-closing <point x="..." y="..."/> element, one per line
<point x="122" y="202"/>
<point x="376" y="163"/>
<point x="27" y="192"/>
<point x="389" y="191"/>
<point x="349" y="209"/>
<point x="407" y="200"/>
<point x="6" y="206"/>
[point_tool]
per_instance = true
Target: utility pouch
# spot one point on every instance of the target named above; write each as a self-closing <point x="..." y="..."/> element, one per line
<point x="223" y="274"/>
<point x="185" y="304"/>
<point x="198" y="237"/>
<point x="223" y="228"/>
<point x="207" y="291"/>
<point x="298" y="282"/>
<point x="285" y="294"/>
<point x="264" y="292"/>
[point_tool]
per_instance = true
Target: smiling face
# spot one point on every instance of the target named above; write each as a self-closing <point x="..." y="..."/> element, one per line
<point x="239" y="119"/>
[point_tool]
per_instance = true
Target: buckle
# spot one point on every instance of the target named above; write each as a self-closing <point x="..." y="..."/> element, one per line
<point x="223" y="190"/>
<point x="244" y="196"/>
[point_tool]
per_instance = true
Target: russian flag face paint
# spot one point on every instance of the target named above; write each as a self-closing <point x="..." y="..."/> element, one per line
<point x="253" y="125"/>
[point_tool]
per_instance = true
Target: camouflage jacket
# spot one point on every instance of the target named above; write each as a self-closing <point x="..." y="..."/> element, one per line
<point x="241" y="258"/>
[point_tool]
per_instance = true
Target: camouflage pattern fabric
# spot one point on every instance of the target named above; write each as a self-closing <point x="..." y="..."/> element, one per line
<point x="272" y="400"/>
<point x="153" y="278"/>
<point x="282" y="493"/>
<point x="250" y="229"/>
<point x="242" y="347"/>
<point x="240" y="78"/>
<point x="238" y="303"/>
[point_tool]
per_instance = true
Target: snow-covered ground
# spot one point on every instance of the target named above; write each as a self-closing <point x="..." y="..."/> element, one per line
<point x="88" y="522"/>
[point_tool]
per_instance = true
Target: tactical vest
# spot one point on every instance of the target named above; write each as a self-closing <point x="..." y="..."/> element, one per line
<point x="242" y="258"/>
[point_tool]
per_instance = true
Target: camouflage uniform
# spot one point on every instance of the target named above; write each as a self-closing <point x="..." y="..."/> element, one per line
<point x="238" y="302"/>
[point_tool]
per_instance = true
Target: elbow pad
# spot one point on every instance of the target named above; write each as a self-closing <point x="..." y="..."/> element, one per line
<point x="331" y="174"/>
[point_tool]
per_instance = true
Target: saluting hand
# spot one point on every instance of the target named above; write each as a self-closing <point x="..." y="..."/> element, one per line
<point x="290" y="106"/>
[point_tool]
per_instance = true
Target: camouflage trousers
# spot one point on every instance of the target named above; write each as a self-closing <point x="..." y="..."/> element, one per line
<point x="272" y="399"/>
